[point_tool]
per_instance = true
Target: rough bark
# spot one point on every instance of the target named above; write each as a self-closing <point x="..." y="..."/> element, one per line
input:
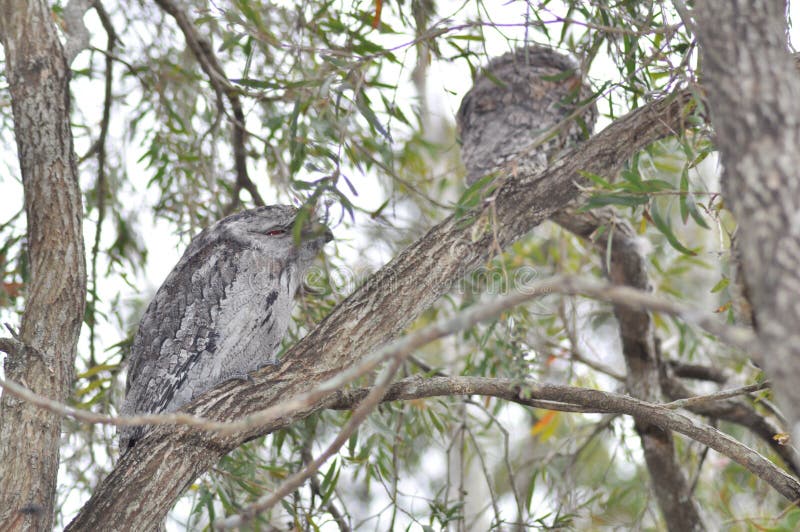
<point x="38" y="77"/>
<point x="754" y="98"/>
<point x="142" y="487"/>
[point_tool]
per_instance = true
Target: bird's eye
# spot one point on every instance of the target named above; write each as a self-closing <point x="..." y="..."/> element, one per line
<point x="276" y="232"/>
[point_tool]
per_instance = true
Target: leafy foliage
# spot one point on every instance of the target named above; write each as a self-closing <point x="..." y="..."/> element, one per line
<point x="348" y="110"/>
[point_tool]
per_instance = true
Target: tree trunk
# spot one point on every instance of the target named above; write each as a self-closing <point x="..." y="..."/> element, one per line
<point x="38" y="79"/>
<point x="754" y="98"/>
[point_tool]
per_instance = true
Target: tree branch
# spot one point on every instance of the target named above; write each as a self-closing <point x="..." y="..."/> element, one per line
<point x="742" y="413"/>
<point x="38" y="79"/>
<point x="201" y="49"/>
<point x="627" y="266"/>
<point x="75" y="29"/>
<point x="101" y="185"/>
<point x="530" y="394"/>
<point x="698" y="372"/>
<point x="376" y="312"/>
<point x="399" y="349"/>
<point x="316" y="489"/>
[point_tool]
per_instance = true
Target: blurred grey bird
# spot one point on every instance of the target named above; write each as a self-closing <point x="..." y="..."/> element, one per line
<point x="523" y="110"/>
<point x="222" y="311"/>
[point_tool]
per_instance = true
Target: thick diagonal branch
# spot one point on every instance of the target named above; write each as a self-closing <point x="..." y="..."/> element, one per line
<point x="158" y="469"/>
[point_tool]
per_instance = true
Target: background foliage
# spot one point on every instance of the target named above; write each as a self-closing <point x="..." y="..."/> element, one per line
<point x="350" y="106"/>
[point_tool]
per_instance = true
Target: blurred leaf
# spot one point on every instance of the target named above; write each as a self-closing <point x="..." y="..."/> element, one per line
<point x="601" y="200"/>
<point x="97" y="369"/>
<point x="546" y="426"/>
<point x="662" y="225"/>
<point x="721" y="285"/>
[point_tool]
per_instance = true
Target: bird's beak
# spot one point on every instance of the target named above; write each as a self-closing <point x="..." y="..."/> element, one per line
<point x="316" y="230"/>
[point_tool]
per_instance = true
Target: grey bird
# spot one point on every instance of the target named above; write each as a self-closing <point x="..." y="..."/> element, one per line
<point x="524" y="108"/>
<point x="222" y="311"/>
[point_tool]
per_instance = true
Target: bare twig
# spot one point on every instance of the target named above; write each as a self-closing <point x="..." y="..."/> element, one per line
<point x="698" y="372"/>
<point x="690" y="402"/>
<point x="372" y="399"/>
<point x="316" y="488"/>
<point x="743" y="413"/>
<point x="529" y="393"/>
<point x="101" y="187"/>
<point x="526" y="393"/>
<point x="626" y="264"/>
<point x="404" y="347"/>
<point x="12" y="346"/>
<point x="75" y="29"/>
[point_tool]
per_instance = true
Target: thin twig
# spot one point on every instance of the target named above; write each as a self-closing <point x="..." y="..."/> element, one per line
<point x="717" y="396"/>
<point x="202" y="51"/>
<point x="372" y="399"/>
<point x="101" y="185"/>
<point x="404" y="347"/>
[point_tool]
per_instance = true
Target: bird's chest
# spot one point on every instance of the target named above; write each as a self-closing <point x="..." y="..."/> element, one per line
<point x="254" y="314"/>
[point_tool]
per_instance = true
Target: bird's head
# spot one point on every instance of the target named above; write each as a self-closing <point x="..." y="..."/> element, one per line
<point x="269" y="231"/>
<point x="272" y="230"/>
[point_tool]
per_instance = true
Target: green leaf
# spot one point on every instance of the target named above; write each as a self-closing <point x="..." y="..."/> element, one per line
<point x="297" y="149"/>
<point x="625" y="200"/>
<point x="352" y="443"/>
<point x="230" y="41"/>
<point x="684" y="195"/>
<point x="472" y="196"/>
<point x="596" y="179"/>
<point x="94" y="370"/>
<point x="631" y="175"/>
<point x="662" y="225"/>
<point x="436" y="422"/>
<point x="377" y="212"/>
<point x="329" y="481"/>
<point x="721" y="285"/>
<point x="669" y="165"/>
<point x="695" y="213"/>
<point x="564" y="74"/>
<point x="93" y="385"/>
<point x="301" y="220"/>
<point x="257" y="83"/>
<point x="363" y="106"/>
<point x="477" y="38"/>
<point x="656" y="185"/>
<point x="494" y="79"/>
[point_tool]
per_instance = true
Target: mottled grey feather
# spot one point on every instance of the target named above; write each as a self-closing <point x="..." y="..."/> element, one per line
<point x="516" y="107"/>
<point x="221" y="313"/>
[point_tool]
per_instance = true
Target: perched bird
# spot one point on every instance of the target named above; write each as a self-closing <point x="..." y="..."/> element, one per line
<point x="222" y="311"/>
<point x="524" y="108"/>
